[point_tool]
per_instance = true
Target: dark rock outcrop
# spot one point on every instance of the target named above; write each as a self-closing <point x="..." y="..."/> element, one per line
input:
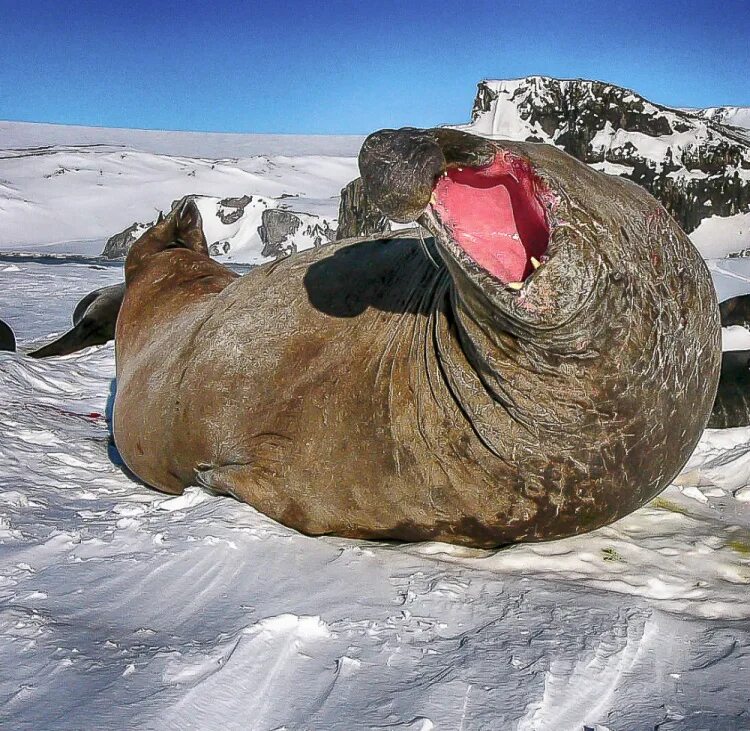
<point x="279" y="227"/>
<point x="696" y="166"/>
<point x="357" y="216"/>
<point x="118" y="245"/>
<point x="232" y="209"/>
<point x="276" y="227"/>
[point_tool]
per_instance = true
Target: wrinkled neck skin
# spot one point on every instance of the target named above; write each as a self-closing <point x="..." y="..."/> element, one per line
<point x="527" y="275"/>
<point x="505" y="347"/>
<point x="582" y="338"/>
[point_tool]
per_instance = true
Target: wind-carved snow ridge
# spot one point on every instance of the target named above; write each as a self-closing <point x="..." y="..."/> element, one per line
<point x="122" y="607"/>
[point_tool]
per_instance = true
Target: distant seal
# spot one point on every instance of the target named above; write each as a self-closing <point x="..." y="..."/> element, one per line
<point x="735" y="311"/>
<point x="94" y="321"/>
<point x="7" y="338"/>
<point x="732" y="405"/>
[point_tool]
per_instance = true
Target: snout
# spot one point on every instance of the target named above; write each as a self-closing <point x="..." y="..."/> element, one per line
<point x="399" y="170"/>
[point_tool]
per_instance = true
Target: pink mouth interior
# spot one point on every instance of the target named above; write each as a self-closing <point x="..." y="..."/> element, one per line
<point x="495" y="215"/>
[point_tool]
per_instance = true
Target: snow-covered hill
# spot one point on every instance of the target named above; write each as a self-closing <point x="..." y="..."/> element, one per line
<point x="84" y="191"/>
<point x="733" y="116"/>
<point x="251" y="229"/>
<point x="696" y="166"/>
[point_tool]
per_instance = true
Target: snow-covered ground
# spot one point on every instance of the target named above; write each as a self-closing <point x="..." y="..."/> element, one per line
<point x="68" y="189"/>
<point x="122" y="608"/>
<point x="735" y="116"/>
<point x="723" y="236"/>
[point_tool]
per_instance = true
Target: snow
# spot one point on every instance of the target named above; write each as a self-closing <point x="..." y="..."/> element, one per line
<point x="735" y="116"/>
<point x="121" y="607"/>
<point x="735" y="337"/>
<point x="719" y="236"/>
<point x="88" y="190"/>
<point x="181" y="144"/>
<point x="612" y="168"/>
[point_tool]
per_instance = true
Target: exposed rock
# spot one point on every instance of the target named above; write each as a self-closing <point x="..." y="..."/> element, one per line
<point x="357" y="216"/>
<point x="279" y="227"/>
<point x="118" y="245"/>
<point x="696" y="166"/>
<point x="219" y="247"/>
<point x="275" y="228"/>
<point x="232" y="209"/>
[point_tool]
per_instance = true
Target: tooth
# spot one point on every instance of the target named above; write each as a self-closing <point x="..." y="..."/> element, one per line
<point x="460" y="170"/>
<point x="433" y="200"/>
<point x="514" y="285"/>
<point x="535" y="262"/>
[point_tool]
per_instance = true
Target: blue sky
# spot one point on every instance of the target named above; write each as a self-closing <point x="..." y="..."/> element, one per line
<point x="348" y="67"/>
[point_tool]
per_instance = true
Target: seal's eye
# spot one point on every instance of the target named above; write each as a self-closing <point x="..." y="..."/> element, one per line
<point x="495" y="214"/>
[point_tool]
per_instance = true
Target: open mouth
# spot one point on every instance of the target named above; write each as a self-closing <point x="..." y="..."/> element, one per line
<point x="497" y="215"/>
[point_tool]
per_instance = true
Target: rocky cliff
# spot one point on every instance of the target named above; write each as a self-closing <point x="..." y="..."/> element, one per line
<point x="694" y="164"/>
<point x="695" y="161"/>
<point x="250" y="229"/>
<point x="357" y="216"/>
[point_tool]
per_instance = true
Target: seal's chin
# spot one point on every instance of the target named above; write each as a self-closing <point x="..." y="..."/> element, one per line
<point x="496" y="215"/>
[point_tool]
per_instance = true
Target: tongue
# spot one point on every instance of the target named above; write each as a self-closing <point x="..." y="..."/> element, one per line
<point x="494" y="215"/>
<point x="483" y="225"/>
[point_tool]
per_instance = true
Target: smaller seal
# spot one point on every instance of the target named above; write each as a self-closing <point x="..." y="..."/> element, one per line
<point x="7" y="338"/>
<point x="732" y="404"/>
<point x="735" y="311"/>
<point x="94" y="321"/>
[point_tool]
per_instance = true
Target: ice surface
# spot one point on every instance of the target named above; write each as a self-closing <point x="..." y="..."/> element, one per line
<point x="121" y="607"/>
<point x="124" y="608"/>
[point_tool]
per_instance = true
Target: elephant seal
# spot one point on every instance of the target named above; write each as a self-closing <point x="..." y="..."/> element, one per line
<point x="93" y="323"/>
<point x="732" y="405"/>
<point x="735" y="311"/>
<point x="7" y="338"/>
<point x="546" y="369"/>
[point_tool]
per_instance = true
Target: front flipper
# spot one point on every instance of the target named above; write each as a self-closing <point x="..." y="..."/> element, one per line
<point x="94" y="322"/>
<point x="7" y="338"/>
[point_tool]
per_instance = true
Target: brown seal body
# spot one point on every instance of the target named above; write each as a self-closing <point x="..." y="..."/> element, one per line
<point x="366" y="390"/>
